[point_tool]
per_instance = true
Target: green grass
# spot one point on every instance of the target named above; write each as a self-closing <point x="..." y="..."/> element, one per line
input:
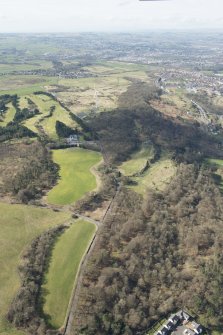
<point x="63" y="269"/>
<point x="8" y="116"/>
<point x="218" y="162"/>
<point x="44" y="103"/>
<point x="219" y="172"/>
<point x="60" y="114"/>
<point x="19" y="225"/>
<point x="23" y="85"/>
<point x="8" y="68"/>
<point x="76" y="178"/>
<point x="157" y="177"/>
<point x="156" y="326"/>
<point x="137" y="161"/>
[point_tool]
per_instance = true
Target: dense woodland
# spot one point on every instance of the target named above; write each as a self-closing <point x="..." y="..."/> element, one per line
<point x="164" y="252"/>
<point x="63" y="130"/>
<point x="155" y="256"/>
<point x="26" y="170"/>
<point x="135" y="121"/>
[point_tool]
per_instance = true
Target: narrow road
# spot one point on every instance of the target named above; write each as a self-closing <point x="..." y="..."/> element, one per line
<point x="86" y="218"/>
<point x="203" y="113"/>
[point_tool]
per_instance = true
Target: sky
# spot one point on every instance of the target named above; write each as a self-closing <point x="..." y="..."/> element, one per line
<point x="108" y="15"/>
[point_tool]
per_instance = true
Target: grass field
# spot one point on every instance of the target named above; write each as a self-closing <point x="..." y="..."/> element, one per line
<point x="137" y="162"/>
<point x="23" y="85"/>
<point x="19" y="225"/>
<point x="59" y="281"/>
<point x="219" y="172"/>
<point x="60" y="114"/>
<point x="9" y="115"/>
<point x="218" y="162"/>
<point x="8" y="68"/>
<point x="157" y="177"/>
<point x="81" y="93"/>
<point x="111" y="81"/>
<point x="44" y="103"/>
<point x="76" y="178"/>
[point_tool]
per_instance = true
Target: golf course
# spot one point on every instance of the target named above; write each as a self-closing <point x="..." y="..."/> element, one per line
<point x="63" y="269"/>
<point x="76" y="179"/>
<point x="19" y="225"/>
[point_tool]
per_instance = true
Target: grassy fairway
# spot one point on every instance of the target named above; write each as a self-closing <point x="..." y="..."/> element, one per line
<point x="59" y="281"/>
<point x="9" y="116"/>
<point x="44" y="104"/>
<point x="137" y="161"/>
<point x="157" y="177"/>
<point x="76" y="178"/>
<point x="19" y="225"/>
<point x="219" y="172"/>
<point x="60" y="114"/>
<point x="218" y="162"/>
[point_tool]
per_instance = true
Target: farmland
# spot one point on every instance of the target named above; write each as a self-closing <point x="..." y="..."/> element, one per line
<point x="19" y="226"/>
<point x="63" y="269"/>
<point x="75" y="176"/>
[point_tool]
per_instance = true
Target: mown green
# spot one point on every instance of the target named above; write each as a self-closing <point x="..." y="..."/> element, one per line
<point x="76" y="178"/>
<point x="63" y="269"/>
<point x="137" y="161"/>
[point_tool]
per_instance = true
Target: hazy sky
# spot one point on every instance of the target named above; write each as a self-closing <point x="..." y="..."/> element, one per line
<point x="108" y="15"/>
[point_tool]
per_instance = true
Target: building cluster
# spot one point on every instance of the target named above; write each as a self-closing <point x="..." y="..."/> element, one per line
<point x="73" y="140"/>
<point x="191" y="80"/>
<point x="180" y="323"/>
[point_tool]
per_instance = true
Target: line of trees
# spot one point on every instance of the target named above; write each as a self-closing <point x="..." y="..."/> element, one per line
<point x="37" y="173"/>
